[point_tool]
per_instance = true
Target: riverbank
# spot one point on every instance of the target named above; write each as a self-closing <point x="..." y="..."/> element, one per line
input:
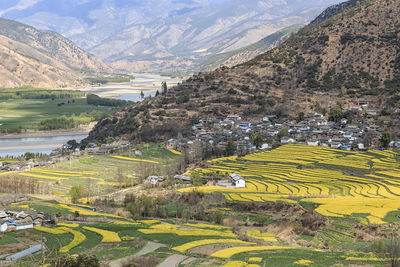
<point x="83" y="130"/>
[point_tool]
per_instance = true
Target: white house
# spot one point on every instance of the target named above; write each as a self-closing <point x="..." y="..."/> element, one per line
<point x="313" y="142"/>
<point x="361" y="146"/>
<point x="154" y="180"/>
<point x="237" y="180"/>
<point x="22" y="225"/>
<point x="3" y="227"/>
<point x="287" y="140"/>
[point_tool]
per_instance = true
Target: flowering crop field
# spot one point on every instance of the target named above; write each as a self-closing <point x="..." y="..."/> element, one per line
<point x="78" y="239"/>
<point x="108" y="236"/>
<point x="342" y="183"/>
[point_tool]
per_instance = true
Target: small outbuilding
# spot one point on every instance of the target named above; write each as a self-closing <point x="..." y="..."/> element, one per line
<point x="237" y="181"/>
<point x="3" y="226"/>
<point x="154" y="180"/>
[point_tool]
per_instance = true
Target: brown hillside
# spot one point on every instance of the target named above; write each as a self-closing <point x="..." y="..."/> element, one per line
<point x="352" y="55"/>
<point x="42" y="58"/>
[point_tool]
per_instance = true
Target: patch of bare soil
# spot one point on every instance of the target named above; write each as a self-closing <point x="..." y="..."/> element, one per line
<point x="13" y="248"/>
<point x="283" y="232"/>
<point x="50" y="197"/>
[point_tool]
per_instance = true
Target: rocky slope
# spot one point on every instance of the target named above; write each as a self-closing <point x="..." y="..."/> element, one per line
<point x="350" y="56"/>
<point x="163" y="35"/>
<point x="42" y="58"/>
<point x="236" y="57"/>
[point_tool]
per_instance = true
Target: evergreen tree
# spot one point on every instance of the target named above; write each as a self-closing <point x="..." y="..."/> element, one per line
<point x="385" y="138"/>
<point x="164" y="87"/>
<point x="230" y="148"/>
<point x="157" y="93"/>
<point x="141" y="94"/>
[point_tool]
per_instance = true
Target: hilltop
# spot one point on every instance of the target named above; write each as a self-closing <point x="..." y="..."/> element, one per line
<point x="352" y="55"/>
<point x="42" y="58"/>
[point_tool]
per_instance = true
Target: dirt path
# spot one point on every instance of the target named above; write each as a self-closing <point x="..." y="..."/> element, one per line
<point x="148" y="248"/>
<point x="173" y="260"/>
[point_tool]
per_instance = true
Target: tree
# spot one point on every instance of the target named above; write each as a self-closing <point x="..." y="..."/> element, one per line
<point x="120" y="177"/>
<point x="300" y="117"/>
<point x="141" y="94"/>
<point x="77" y="192"/>
<point x="336" y="115"/>
<point x="230" y="148"/>
<point x="80" y="261"/>
<point x="74" y="145"/>
<point x="217" y="217"/>
<point x="196" y="178"/>
<point x="393" y="250"/>
<point x="385" y="138"/>
<point x="257" y="141"/>
<point x="282" y="133"/>
<point x="157" y="93"/>
<point x="194" y="120"/>
<point x="142" y="207"/>
<point x="164" y="88"/>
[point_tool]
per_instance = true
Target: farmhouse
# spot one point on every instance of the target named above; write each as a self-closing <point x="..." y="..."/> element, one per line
<point x="23" y="225"/>
<point x="237" y="181"/>
<point x="154" y="180"/>
<point x="3" y="226"/>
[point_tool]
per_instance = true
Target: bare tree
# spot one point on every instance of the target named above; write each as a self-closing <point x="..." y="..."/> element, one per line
<point x="393" y="250"/>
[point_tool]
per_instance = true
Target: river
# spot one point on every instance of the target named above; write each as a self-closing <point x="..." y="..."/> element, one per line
<point x="18" y="146"/>
<point x="37" y="143"/>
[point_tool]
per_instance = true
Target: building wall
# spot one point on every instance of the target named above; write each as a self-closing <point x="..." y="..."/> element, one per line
<point x="23" y="227"/>
<point x="241" y="184"/>
<point x="3" y="227"/>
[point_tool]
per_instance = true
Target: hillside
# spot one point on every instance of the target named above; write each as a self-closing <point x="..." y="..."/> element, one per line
<point x="163" y="35"/>
<point x="42" y="58"/>
<point x="236" y="57"/>
<point x="322" y="64"/>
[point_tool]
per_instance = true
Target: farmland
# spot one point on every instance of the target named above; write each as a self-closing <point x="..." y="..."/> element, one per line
<point x="25" y="108"/>
<point x="302" y="206"/>
<point x="209" y="244"/>
<point x="101" y="175"/>
<point x="342" y="183"/>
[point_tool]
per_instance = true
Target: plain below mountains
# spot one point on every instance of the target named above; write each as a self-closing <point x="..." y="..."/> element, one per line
<point x="31" y="57"/>
<point x="163" y="35"/>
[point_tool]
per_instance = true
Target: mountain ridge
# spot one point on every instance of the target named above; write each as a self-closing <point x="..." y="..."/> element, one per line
<point x="166" y="35"/>
<point x="42" y="58"/>
<point x="320" y="66"/>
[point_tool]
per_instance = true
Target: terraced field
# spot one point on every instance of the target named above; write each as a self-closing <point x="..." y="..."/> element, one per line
<point x="341" y="183"/>
<point x="98" y="173"/>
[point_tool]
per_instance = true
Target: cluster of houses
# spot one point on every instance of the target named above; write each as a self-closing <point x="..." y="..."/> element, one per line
<point x="21" y="220"/>
<point x="357" y="133"/>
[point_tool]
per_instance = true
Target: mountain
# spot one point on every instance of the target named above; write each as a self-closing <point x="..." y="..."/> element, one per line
<point x="353" y="55"/>
<point x="161" y="35"/>
<point x="239" y="56"/>
<point x="42" y="58"/>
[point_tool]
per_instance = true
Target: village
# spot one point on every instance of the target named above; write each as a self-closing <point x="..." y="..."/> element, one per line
<point x="358" y="132"/>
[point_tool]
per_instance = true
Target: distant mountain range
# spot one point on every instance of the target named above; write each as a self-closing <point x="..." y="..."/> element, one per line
<point x="42" y="58"/>
<point x="159" y="35"/>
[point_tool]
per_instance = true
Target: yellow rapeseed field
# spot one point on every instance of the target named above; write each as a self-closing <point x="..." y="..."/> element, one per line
<point x="108" y="236"/>
<point x="229" y="252"/>
<point x="135" y="160"/>
<point x="204" y="242"/>
<point x="327" y="177"/>
<point x="78" y="239"/>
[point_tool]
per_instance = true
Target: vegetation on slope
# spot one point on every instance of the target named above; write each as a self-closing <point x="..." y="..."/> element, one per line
<point x="352" y="55"/>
